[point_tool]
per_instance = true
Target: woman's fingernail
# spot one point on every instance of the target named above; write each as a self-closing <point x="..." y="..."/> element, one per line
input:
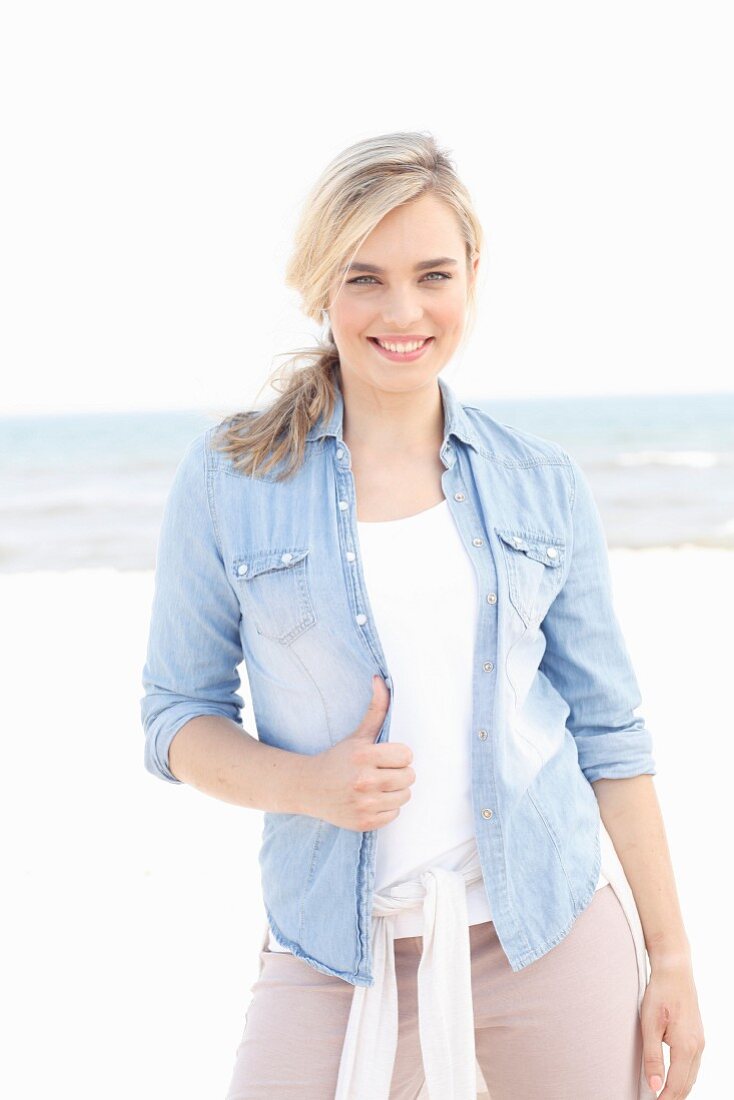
<point x="656" y="1082"/>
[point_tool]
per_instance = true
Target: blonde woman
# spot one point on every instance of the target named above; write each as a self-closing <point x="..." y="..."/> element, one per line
<point x="444" y="699"/>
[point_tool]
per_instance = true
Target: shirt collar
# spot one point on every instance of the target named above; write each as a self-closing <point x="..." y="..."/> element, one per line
<point x="456" y="421"/>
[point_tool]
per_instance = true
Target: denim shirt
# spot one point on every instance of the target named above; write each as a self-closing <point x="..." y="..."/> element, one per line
<point x="270" y="573"/>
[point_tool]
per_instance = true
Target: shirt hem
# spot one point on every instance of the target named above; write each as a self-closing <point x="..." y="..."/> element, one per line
<point x="297" y="950"/>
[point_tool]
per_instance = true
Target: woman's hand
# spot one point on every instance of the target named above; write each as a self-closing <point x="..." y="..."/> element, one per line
<point x="357" y="783"/>
<point x="670" y="1014"/>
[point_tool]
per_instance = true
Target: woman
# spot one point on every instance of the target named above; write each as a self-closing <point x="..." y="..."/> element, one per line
<point x="444" y="699"/>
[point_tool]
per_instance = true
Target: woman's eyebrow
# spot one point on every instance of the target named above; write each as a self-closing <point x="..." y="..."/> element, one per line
<point x="441" y="261"/>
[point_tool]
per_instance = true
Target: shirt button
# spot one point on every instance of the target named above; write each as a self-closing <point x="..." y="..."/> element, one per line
<point x="343" y="504"/>
<point x="477" y="542"/>
<point x="491" y="597"/>
<point x="286" y="557"/>
<point x="517" y="542"/>
<point x="361" y="619"/>
<point x="340" y="453"/>
<point x="486" y="813"/>
<point x="487" y="666"/>
<point x="241" y="570"/>
<point x="552" y="552"/>
<point x="351" y="555"/>
<point x="482" y="735"/>
<point x="459" y="496"/>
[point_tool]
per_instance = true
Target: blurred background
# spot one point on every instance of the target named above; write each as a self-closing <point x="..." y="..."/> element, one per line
<point x="155" y="161"/>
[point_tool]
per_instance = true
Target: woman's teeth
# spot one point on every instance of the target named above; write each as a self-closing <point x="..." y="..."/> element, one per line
<point x="402" y="349"/>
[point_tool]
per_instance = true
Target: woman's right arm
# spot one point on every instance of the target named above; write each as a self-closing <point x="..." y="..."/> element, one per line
<point x="191" y="708"/>
<point x="218" y="757"/>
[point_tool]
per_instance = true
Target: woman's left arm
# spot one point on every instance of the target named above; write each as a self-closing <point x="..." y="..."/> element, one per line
<point x="670" y="1013"/>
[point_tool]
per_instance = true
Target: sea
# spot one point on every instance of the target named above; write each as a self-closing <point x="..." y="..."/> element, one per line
<point x="87" y="490"/>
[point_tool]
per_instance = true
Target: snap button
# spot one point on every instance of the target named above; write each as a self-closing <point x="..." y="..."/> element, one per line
<point x="361" y="619"/>
<point x="351" y="555"/>
<point x="482" y="735"/>
<point x="487" y="666"/>
<point x="459" y="496"/>
<point x="491" y="597"/>
<point x="343" y="504"/>
<point x="241" y="570"/>
<point x="286" y="557"/>
<point x="552" y="552"/>
<point x="486" y="813"/>
<point x="477" y="542"/>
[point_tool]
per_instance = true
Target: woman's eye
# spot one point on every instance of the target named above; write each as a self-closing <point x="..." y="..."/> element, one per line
<point x="358" y="280"/>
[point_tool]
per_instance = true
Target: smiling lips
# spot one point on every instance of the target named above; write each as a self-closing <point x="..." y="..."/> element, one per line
<point x="404" y="350"/>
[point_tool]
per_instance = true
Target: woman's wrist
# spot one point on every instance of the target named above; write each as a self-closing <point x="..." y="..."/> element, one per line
<point x="668" y="955"/>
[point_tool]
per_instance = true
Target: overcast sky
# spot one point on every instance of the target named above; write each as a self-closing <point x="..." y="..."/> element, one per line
<point x="156" y="155"/>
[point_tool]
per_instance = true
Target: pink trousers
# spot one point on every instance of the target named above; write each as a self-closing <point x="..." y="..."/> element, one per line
<point x="566" y="1026"/>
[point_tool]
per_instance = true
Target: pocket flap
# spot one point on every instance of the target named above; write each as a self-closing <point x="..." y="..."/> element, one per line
<point x="264" y="561"/>
<point x="547" y="549"/>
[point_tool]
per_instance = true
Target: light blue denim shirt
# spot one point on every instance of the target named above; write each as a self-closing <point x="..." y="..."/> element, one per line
<point x="270" y="573"/>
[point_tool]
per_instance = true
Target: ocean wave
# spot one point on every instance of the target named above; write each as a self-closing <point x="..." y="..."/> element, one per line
<point x="694" y="459"/>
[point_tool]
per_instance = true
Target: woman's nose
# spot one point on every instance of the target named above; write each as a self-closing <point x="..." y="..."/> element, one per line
<point x="401" y="309"/>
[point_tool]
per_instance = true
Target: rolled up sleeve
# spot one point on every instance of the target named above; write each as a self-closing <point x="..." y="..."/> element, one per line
<point x="194" y="646"/>
<point x="586" y="657"/>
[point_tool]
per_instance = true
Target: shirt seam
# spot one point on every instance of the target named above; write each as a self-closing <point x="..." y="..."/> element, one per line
<point x="573" y="483"/>
<point x="208" y="479"/>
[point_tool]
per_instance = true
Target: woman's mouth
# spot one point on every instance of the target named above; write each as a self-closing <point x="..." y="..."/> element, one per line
<point x="401" y="351"/>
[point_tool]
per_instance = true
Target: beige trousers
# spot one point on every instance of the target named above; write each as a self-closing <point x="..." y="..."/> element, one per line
<point x="565" y="1026"/>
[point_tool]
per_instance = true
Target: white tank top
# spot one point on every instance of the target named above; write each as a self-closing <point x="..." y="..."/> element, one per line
<point x="423" y="592"/>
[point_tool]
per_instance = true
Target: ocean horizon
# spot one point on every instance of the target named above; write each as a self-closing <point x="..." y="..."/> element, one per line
<point x="86" y="490"/>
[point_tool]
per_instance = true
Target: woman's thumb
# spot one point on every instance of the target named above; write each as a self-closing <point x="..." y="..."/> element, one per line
<point x="380" y="687"/>
<point x="374" y="716"/>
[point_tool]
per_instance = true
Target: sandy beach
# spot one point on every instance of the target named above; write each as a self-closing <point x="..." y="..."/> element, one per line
<point x="135" y="914"/>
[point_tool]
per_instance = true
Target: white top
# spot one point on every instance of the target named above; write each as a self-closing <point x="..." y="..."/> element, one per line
<point x="423" y="592"/>
<point x="428" y="879"/>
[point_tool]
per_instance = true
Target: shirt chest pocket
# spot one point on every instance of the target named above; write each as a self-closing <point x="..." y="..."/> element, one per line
<point x="275" y="592"/>
<point x="534" y="563"/>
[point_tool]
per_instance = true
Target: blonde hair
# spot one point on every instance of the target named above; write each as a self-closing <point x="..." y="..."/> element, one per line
<point x="355" y="191"/>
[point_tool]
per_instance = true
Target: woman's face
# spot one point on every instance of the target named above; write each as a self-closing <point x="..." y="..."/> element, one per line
<point x="408" y="283"/>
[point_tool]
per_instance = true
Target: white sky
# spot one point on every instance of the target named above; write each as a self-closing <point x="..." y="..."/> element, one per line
<point x="156" y="155"/>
